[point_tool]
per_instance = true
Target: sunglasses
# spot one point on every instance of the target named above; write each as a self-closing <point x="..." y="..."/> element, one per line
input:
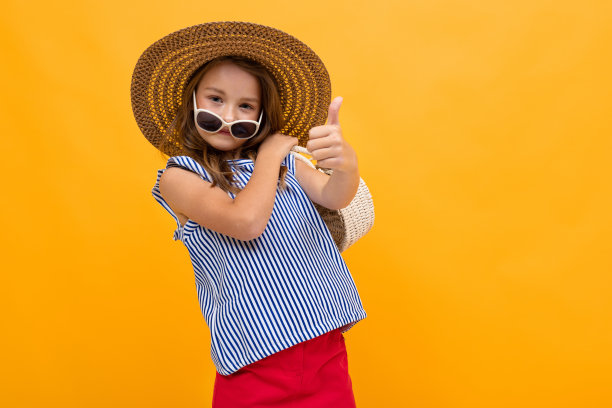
<point x="211" y="122"/>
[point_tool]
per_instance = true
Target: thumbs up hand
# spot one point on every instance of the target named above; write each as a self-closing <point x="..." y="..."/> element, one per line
<point x="327" y="145"/>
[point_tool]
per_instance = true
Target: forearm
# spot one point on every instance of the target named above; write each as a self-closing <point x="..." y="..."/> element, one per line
<point x="256" y="200"/>
<point x="341" y="187"/>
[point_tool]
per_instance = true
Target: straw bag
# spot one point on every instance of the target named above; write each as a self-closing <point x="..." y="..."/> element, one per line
<point x="350" y="223"/>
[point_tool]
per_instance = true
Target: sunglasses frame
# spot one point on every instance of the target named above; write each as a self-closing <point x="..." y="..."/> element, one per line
<point x="229" y="125"/>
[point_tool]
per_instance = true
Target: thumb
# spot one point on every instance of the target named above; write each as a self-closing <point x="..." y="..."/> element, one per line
<point x="333" y="113"/>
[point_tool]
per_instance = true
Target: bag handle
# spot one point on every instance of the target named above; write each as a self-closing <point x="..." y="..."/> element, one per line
<point x="296" y="150"/>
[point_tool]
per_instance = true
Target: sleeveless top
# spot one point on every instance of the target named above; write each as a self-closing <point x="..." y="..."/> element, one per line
<point x="264" y="295"/>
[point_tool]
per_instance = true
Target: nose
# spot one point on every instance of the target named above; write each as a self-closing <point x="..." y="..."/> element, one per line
<point x="228" y="114"/>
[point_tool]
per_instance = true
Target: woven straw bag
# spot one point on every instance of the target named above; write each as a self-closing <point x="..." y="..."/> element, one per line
<point x="350" y="223"/>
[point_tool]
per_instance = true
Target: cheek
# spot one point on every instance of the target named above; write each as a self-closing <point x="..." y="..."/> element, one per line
<point x="209" y="105"/>
<point x="249" y="115"/>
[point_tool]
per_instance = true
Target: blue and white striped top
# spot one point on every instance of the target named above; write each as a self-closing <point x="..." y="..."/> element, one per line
<point x="284" y="287"/>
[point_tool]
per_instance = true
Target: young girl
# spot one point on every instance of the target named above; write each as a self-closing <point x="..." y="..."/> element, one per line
<point x="228" y="101"/>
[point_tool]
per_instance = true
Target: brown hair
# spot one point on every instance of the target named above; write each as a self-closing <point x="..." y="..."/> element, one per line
<point x="214" y="160"/>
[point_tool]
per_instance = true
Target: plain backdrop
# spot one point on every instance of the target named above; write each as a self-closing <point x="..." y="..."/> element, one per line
<point x="483" y="130"/>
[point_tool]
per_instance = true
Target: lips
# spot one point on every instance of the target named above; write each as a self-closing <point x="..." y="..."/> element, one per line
<point x="224" y="132"/>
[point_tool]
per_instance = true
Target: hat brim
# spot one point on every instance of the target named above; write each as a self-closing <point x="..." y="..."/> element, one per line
<point x="163" y="70"/>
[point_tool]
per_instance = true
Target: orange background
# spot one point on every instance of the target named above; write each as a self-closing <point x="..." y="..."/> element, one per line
<point x="483" y="129"/>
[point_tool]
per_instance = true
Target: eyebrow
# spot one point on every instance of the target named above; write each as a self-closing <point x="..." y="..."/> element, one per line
<point x="210" y="88"/>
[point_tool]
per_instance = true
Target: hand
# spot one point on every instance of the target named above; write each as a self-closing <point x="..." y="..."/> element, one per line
<point x="327" y="145"/>
<point x="277" y="145"/>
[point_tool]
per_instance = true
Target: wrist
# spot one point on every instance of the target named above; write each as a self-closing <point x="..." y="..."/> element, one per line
<point x="349" y="164"/>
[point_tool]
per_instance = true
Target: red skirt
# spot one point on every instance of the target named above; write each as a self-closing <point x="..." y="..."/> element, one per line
<point x="313" y="373"/>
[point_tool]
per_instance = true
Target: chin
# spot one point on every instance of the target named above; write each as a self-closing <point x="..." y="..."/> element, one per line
<point x="226" y="148"/>
<point x="223" y="142"/>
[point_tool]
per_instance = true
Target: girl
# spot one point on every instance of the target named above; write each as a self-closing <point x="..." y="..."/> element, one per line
<point x="228" y="101"/>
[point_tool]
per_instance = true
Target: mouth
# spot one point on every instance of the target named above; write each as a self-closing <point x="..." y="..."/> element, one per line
<point x="224" y="132"/>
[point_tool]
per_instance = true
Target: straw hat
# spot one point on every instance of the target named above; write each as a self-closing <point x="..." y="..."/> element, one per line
<point x="163" y="70"/>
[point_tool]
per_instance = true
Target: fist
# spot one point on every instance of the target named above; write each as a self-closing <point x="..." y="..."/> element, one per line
<point x="327" y="145"/>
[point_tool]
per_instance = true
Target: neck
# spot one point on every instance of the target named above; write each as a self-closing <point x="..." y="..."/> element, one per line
<point x="237" y="154"/>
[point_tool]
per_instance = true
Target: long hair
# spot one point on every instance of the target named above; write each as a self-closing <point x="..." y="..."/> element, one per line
<point x="214" y="160"/>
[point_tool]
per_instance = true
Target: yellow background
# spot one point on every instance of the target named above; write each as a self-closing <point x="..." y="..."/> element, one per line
<point x="483" y="129"/>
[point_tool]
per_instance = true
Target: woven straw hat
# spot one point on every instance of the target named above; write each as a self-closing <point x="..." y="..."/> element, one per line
<point x="163" y="70"/>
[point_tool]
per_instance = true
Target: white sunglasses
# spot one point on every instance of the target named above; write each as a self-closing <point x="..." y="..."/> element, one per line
<point x="211" y="122"/>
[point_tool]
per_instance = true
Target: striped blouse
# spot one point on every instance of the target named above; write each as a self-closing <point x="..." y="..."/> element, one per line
<point x="284" y="287"/>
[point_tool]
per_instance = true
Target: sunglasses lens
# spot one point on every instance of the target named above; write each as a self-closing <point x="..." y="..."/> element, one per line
<point x="243" y="130"/>
<point x="208" y="122"/>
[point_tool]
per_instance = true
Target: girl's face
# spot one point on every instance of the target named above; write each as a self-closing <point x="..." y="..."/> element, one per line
<point x="231" y="93"/>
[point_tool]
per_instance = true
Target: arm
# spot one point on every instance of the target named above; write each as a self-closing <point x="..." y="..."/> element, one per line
<point x="330" y="150"/>
<point x="244" y="217"/>
<point x="333" y="192"/>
